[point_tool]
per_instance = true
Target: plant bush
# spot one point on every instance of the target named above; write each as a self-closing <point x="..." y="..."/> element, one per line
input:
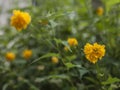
<point x="61" y="45"/>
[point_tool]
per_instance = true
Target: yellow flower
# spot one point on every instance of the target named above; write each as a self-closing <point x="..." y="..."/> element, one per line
<point x="10" y="56"/>
<point x="72" y="41"/>
<point x="100" y="11"/>
<point x="20" y="20"/>
<point x="54" y="60"/>
<point x="66" y="48"/>
<point x="27" y="54"/>
<point x="94" y="52"/>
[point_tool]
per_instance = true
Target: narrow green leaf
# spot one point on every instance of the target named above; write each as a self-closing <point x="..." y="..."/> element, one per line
<point x="69" y="65"/>
<point x="62" y="76"/>
<point x="111" y="80"/>
<point x="92" y="80"/>
<point x="82" y="72"/>
<point x="70" y="58"/>
<point x="46" y="56"/>
<point x="65" y="43"/>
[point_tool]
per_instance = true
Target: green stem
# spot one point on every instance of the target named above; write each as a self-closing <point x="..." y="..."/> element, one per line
<point x="98" y="71"/>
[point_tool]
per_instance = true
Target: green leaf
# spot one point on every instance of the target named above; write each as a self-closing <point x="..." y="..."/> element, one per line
<point x="62" y="76"/>
<point x="70" y="65"/>
<point x="73" y="88"/>
<point x="70" y="58"/>
<point x="110" y="3"/>
<point x="111" y="80"/>
<point x="53" y="23"/>
<point x="58" y="41"/>
<point x="92" y="80"/>
<point x="46" y="56"/>
<point x="65" y="43"/>
<point x="5" y="86"/>
<point x="110" y="88"/>
<point x="82" y="8"/>
<point x="82" y="72"/>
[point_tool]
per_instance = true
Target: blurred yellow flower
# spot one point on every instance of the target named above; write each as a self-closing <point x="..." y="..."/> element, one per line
<point x="10" y="56"/>
<point x="20" y="20"/>
<point x="72" y="41"/>
<point x="66" y="48"/>
<point x="94" y="52"/>
<point x="55" y="60"/>
<point x="27" y="54"/>
<point x="100" y="11"/>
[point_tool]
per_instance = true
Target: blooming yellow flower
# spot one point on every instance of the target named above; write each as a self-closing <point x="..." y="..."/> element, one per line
<point x="20" y="20"/>
<point x="54" y="60"/>
<point x="10" y="56"/>
<point x="94" y="52"/>
<point x="27" y="54"/>
<point x="100" y="11"/>
<point x="72" y="41"/>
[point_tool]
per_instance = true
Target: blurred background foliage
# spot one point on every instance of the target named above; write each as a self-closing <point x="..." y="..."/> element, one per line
<point x="53" y="22"/>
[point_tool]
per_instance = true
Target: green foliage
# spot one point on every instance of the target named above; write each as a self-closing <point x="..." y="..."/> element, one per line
<point x="110" y="80"/>
<point x="110" y="3"/>
<point x="53" y="22"/>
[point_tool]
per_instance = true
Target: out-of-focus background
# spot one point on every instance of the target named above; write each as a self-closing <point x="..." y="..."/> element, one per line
<point x="6" y="5"/>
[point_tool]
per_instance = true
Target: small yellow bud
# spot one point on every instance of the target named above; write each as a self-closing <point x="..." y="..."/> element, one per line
<point x="66" y="48"/>
<point x="10" y="56"/>
<point x="100" y="11"/>
<point x="27" y="54"/>
<point x="55" y="60"/>
<point x="72" y="41"/>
